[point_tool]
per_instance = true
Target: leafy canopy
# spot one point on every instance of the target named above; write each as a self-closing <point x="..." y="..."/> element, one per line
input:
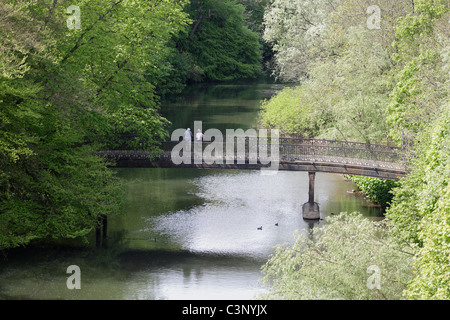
<point x="332" y="262"/>
<point x="64" y="95"/>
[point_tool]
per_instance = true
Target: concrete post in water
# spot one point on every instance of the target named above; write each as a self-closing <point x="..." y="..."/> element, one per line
<point x="312" y="176"/>
<point x="311" y="208"/>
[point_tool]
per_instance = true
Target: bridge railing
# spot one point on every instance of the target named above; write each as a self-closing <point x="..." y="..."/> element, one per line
<point x="340" y="149"/>
<point x="291" y="149"/>
<point x="367" y="158"/>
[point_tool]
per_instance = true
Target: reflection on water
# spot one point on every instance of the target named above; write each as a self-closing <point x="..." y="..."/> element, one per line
<point x="193" y="276"/>
<point x="240" y="213"/>
<point x="224" y="106"/>
<point x="206" y="226"/>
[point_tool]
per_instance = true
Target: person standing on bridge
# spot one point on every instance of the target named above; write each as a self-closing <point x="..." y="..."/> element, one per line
<point x="188" y="135"/>
<point x="198" y="144"/>
<point x="187" y="140"/>
<point x="199" y="135"/>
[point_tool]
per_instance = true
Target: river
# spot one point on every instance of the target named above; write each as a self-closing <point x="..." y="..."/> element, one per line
<point x="186" y="233"/>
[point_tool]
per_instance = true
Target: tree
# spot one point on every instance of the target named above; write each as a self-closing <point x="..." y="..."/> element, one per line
<point x="64" y="95"/>
<point x="419" y="105"/>
<point x="420" y="211"/>
<point x="303" y="32"/>
<point x="420" y="77"/>
<point x="418" y="102"/>
<point x="291" y="27"/>
<point x="117" y="56"/>
<point x="345" y="96"/>
<point x="294" y="112"/>
<point x="432" y="268"/>
<point x="219" y="46"/>
<point x="337" y="261"/>
<point x="376" y="189"/>
<point x="342" y="65"/>
<point x="377" y="92"/>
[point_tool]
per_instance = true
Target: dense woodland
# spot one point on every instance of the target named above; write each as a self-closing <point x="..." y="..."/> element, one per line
<point x="376" y="76"/>
<point x="371" y="71"/>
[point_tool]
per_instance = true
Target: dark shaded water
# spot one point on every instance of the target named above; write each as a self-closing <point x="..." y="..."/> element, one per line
<point x="188" y="234"/>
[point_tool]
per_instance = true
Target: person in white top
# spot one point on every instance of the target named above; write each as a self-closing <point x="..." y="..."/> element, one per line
<point x="199" y="135"/>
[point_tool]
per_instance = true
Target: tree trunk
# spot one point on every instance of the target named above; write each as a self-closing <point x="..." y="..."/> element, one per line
<point x="200" y="17"/>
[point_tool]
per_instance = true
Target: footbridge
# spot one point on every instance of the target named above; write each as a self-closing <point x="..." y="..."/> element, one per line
<point x="269" y="156"/>
<point x="291" y="154"/>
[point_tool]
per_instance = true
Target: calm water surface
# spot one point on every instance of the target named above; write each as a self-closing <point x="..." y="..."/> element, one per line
<point x="187" y="234"/>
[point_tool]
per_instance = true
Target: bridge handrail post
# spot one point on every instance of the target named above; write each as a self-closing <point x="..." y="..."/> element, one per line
<point x="343" y="149"/>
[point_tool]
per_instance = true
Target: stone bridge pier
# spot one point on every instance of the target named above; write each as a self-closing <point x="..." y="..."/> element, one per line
<point x="311" y="209"/>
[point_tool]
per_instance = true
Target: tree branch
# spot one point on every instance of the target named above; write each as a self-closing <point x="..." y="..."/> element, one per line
<point x="77" y="44"/>
<point x="200" y="17"/>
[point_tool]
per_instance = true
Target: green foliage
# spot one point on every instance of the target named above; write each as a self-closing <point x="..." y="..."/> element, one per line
<point x="64" y="95"/>
<point x="420" y="105"/>
<point x="420" y="78"/>
<point x="58" y="187"/>
<point x="218" y="46"/>
<point x="254" y="14"/>
<point x="342" y="66"/>
<point x="289" y="111"/>
<point x="432" y="267"/>
<point x="292" y="27"/>
<point x="377" y="190"/>
<point x="332" y="261"/>
<point x="372" y="91"/>
<point x="345" y="97"/>
<point x="118" y="57"/>
<point x="420" y="210"/>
